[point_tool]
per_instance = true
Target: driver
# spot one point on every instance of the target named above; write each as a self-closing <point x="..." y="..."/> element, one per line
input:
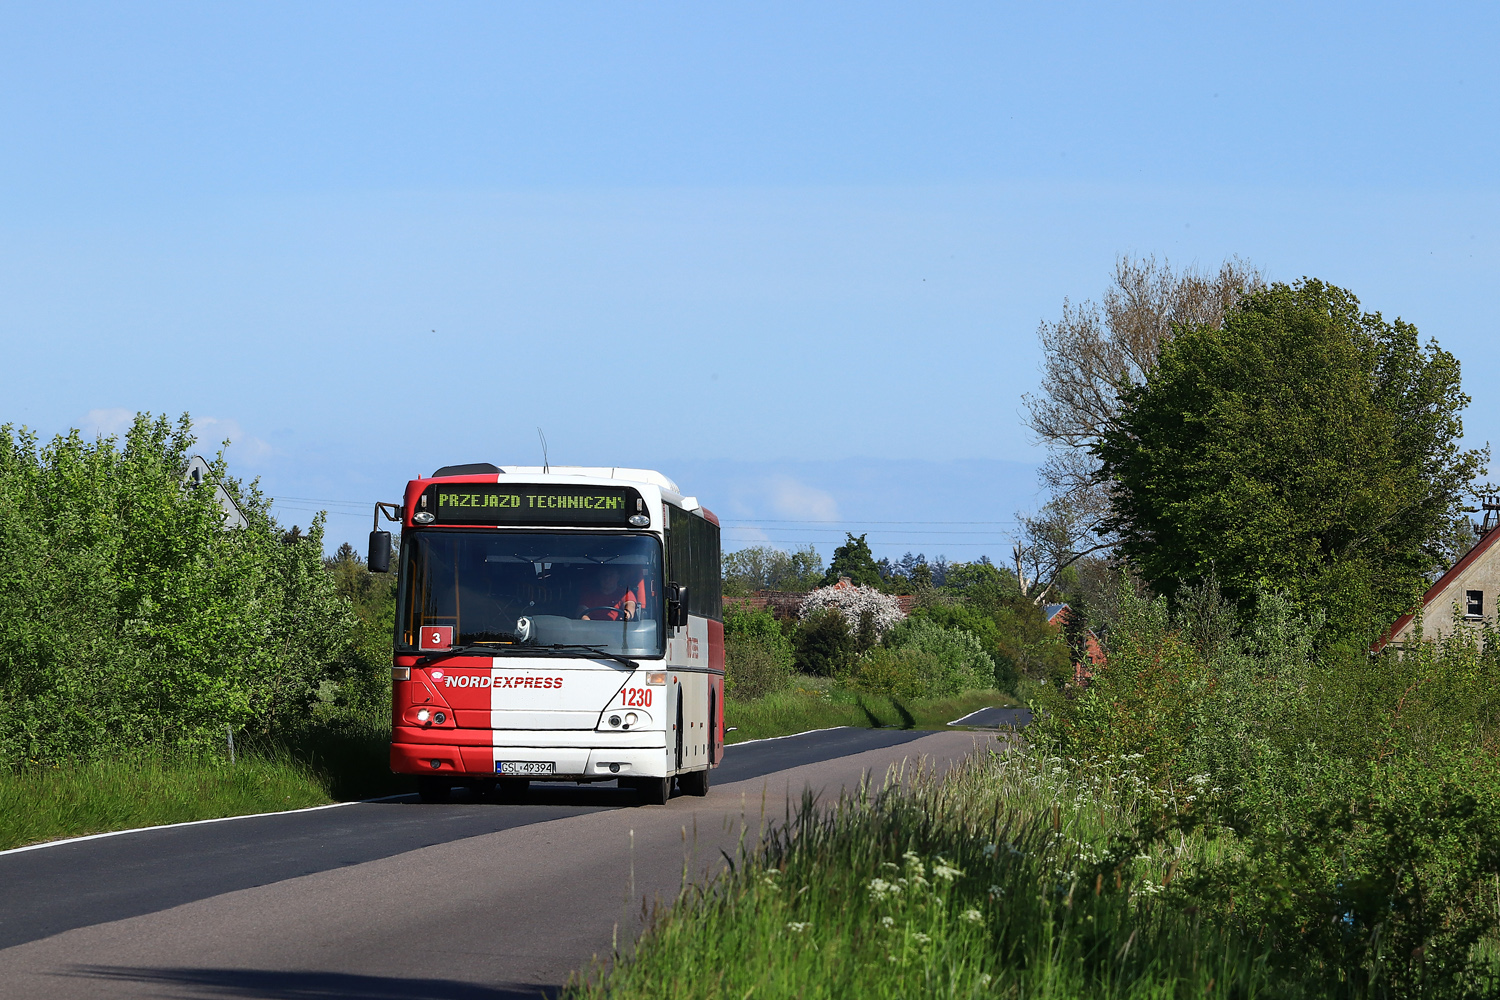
<point x="608" y="599"/>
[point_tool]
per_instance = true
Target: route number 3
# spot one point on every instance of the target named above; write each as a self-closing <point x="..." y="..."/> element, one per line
<point x="637" y="697"/>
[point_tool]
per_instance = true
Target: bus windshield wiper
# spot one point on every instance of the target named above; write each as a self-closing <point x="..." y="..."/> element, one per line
<point x="593" y="650"/>
<point x="467" y="650"/>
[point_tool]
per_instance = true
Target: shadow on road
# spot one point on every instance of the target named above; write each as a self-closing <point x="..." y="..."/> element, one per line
<point x="268" y="985"/>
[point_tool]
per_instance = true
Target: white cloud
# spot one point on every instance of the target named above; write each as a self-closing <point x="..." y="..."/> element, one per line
<point x="243" y="447"/>
<point x="744" y="537"/>
<point x="108" y="422"/>
<point x="795" y="500"/>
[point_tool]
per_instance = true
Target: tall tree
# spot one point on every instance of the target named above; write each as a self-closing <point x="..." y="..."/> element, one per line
<point x="854" y="560"/>
<point x="1303" y="444"/>
<point x="1091" y="355"/>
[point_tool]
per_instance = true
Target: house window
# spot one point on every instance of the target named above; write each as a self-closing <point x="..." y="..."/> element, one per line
<point x="1476" y="603"/>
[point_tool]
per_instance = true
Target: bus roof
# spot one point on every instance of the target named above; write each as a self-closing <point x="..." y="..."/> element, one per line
<point x="596" y="472"/>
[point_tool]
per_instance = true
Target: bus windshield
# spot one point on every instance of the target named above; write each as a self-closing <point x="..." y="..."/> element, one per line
<point x="519" y="589"/>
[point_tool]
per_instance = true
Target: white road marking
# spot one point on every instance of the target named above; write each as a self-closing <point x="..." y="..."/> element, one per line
<point x="195" y="822"/>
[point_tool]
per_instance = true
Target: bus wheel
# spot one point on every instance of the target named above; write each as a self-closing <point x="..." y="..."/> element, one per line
<point x="653" y="791"/>
<point x="694" y="782"/>
<point x="512" y="789"/>
<point x="434" y="789"/>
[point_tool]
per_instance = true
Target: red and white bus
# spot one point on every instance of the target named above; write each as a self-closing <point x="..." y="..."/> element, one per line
<point x="555" y="624"/>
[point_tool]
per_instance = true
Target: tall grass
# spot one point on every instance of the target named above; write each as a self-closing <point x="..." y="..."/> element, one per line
<point x="987" y="882"/>
<point x="147" y="789"/>
<point x="336" y="756"/>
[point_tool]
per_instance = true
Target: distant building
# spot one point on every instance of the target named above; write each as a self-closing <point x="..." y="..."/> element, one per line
<point x="198" y="470"/>
<point x="1093" y="653"/>
<point x="1469" y="590"/>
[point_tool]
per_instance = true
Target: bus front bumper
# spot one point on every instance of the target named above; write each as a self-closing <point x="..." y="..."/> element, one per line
<point x="569" y="763"/>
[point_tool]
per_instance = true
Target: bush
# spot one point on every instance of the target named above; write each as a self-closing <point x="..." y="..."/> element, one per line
<point x="758" y="654"/>
<point x="863" y="608"/>
<point x="963" y="663"/>
<point x="1353" y="801"/>
<point x="129" y="616"/>
<point x="824" y="644"/>
<point x="897" y="673"/>
<point x="754" y="668"/>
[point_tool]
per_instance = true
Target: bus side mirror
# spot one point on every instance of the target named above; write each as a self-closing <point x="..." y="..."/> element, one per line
<point x="380" y="552"/>
<point x="677" y="605"/>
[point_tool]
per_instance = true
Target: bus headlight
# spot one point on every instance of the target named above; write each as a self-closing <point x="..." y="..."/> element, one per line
<point x="658" y="678"/>
<point x="424" y="517"/>
<point x="630" y="718"/>
<point x="639" y="520"/>
<point x="423" y="715"/>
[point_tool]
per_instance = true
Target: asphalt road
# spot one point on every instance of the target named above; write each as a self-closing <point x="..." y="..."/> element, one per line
<point x="996" y="717"/>
<point x="399" y="899"/>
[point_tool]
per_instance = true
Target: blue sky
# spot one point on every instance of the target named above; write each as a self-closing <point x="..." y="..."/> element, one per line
<point x="793" y="255"/>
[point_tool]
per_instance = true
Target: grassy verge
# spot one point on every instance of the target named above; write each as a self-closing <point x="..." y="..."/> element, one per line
<point x="45" y="804"/>
<point x="335" y="758"/>
<point x="987" y="883"/>
<point x="814" y="704"/>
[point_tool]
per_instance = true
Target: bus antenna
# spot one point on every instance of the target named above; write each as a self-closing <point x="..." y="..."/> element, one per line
<point x="546" y="466"/>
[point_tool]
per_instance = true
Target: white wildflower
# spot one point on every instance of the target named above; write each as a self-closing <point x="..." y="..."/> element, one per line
<point x="972" y="916"/>
<point x="943" y="870"/>
<point x="797" y="927"/>
<point x="921" y="938"/>
<point x="888" y="921"/>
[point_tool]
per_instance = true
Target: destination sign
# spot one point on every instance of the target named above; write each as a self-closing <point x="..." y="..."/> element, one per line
<point x="484" y="503"/>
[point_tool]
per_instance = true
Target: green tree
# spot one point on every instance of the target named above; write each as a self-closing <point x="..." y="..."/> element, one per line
<point x="1304" y="444"/>
<point x="854" y="560"/>
<point x="762" y="567"/>
<point x="131" y="617"/>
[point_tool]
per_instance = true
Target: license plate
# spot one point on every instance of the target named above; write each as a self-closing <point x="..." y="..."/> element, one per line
<point x="527" y="767"/>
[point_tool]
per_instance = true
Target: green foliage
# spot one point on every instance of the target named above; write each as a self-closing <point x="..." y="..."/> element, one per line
<point x="363" y="687"/>
<point x="761" y="567"/>
<point x="758" y="654"/>
<point x="980" y="582"/>
<point x="971" y="619"/>
<point x="1029" y="645"/>
<point x="744" y="622"/>
<point x="899" y="673"/>
<point x="1352" y="802"/>
<point x="854" y="560"/>
<point x="824" y="645"/>
<point x="130" y="617"/>
<point x="968" y="885"/>
<point x="962" y="661"/>
<point x="1305" y="444"/>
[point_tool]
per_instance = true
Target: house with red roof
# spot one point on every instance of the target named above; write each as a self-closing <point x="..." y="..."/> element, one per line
<point x="1463" y="596"/>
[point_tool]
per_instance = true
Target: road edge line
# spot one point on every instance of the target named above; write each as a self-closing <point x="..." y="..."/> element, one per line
<point x="960" y="720"/>
<point x="191" y="822"/>
<point x="767" y="739"/>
